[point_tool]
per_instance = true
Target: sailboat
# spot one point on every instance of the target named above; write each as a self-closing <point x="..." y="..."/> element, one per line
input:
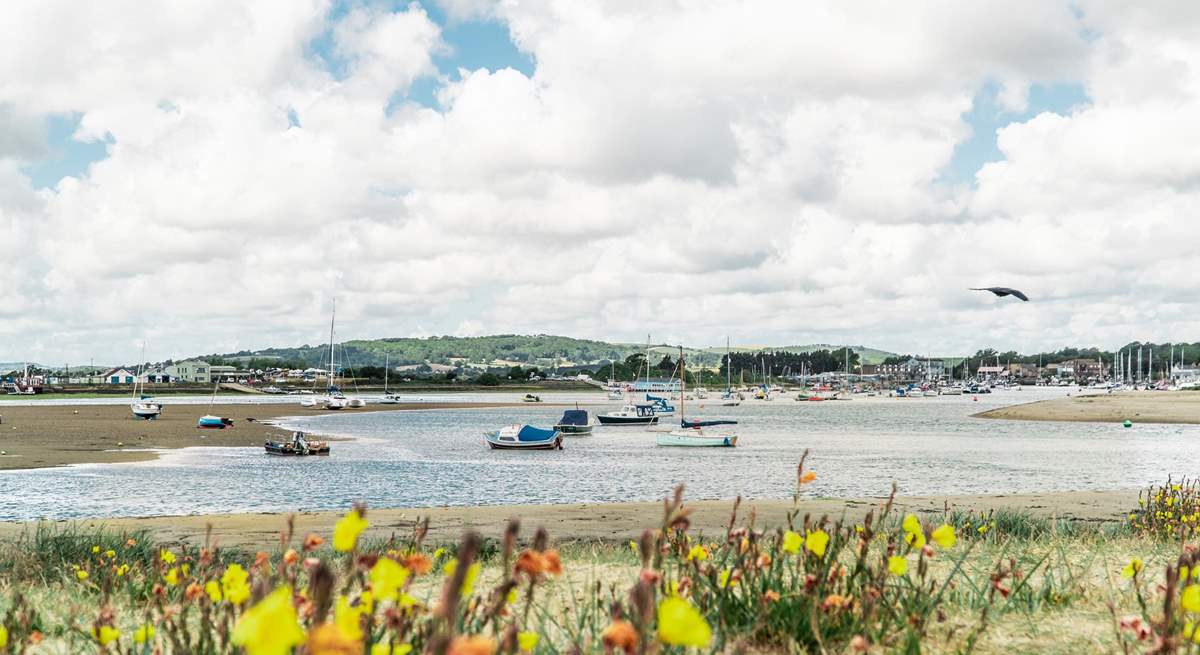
<point x="389" y="398"/>
<point x="333" y="398"/>
<point x="728" y="397"/>
<point x="209" y="421"/>
<point x="143" y="407"/>
<point x="613" y="389"/>
<point x="694" y="434"/>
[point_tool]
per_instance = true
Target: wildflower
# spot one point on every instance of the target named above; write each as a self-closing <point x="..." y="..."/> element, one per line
<point x="105" y="634"/>
<point x="291" y="556"/>
<point x="468" y="584"/>
<point x="1135" y="566"/>
<point x="816" y="541"/>
<point x="1190" y="600"/>
<point x="387" y="576"/>
<point x="398" y="649"/>
<point x="348" y="618"/>
<point x="764" y="560"/>
<point x="166" y="556"/>
<point x="81" y="575"/>
<point x="143" y="634"/>
<point x="511" y="597"/>
<point x="634" y="547"/>
<point x="620" y="634"/>
<point x="172" y="577"/>
<point x="122" y="570"/>
<point x="834" y="602"/>
<point x="527" y="641"/>
<point x="347" y="529"/>
<point x="911" y="523"/>
<point x="439" y="552"/>
<point x="944" y="536"/>
<point x="234" y="584"/>
<point x="808" y="476"/>
<point x="771" y="596"/>
<point x="531" y="563"/>
<point x="110" y="554"/>
<point x="269" y="628"/>
<point x="471" y="646"/>
<point x="792" y="542"/>
<point x="3" y="636"/>
<point x="193" y="591"/>
<point x="726" y="578"/>
<point x="983" y="529"/>
<point x="312" y="542"/>
<point x="697" y="552"/>
<point x="417" y="564"/>
<point x="213" y="590"/>
<point x="897" y="565"/>
<point x="553" y="562"/>
<point x="328" y="639"/>
<point x="858" y="644"/>
<point x="95" y="549"/>
<point x="681" y="624"/>
<point x="130" y="543"/>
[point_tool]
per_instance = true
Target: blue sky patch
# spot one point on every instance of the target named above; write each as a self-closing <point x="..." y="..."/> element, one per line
<point x="988" y="115"/>
<point x="65" y="157"/>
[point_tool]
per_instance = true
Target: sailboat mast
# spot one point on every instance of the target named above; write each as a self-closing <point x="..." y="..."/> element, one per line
<point x="682" y="385"/>
<point x="386" y="360"/>
<point x="332" y="318"/>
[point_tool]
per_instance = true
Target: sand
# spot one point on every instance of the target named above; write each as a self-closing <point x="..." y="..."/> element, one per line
<point x="35" y="436"/>
<point x="1136" y="406"/>
<point x="585" y="522"/>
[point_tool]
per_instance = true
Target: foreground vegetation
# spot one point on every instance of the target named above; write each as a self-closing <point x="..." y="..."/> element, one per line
<point x="952" y="583"/>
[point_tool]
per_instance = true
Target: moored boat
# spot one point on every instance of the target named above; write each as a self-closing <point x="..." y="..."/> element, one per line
<point x="298" y="446"/>
<point x="574" y="422"/>
<point x="211" y="422"/>
<point x="523" y="437"/>
<point x="530" y="398"/>
<point x="693" y="433"/>
<point x="638" y="414"/>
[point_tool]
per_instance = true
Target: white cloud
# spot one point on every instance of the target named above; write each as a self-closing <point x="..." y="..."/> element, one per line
<point x="770" y="170"/>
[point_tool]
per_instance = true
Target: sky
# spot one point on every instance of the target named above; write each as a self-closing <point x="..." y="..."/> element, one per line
<point x="208" y="176"/>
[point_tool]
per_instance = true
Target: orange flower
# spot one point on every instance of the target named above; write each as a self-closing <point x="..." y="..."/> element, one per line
<point x="262" y="559"/>
<point x="471" y="646"/>
<point x="327" y="639"/>
<point x="531" y="563"/>
<point x="312" y="542"/>
<point x="418" y="564"/>
<point x="764" y="561"/>
<point x="808" y="476"/>
<point x="834" y="602"/>
<point x="194" y="591"/>
<point x="291" y="556"/>
<point x="771" y="596"/>
<point x="553" y="563"/>
<point x="620" y="634"/>
<point x="649" y="576"/>
<point x="35" y="637"/>
<point x="858" y="644"/>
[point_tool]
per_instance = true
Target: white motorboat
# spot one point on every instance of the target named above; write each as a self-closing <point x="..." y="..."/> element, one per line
<point x="637" y="414"/>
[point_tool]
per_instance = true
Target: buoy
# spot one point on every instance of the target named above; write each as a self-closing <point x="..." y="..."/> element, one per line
<point x="1128" y="423"/>
<point x="3" y="452"/>
<point x="975" y="398"/>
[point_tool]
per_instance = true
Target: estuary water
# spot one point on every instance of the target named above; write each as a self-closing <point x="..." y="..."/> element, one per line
<point x="438" y="457"/>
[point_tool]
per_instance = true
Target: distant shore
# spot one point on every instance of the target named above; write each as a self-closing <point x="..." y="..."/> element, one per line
<point x="38" y="436"/>
<point x="589" y="521"/>
<point x="1138" y="406"/>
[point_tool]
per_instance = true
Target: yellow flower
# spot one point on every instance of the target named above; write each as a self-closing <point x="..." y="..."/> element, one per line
<point x="1190" y="600"/>
<point x="81" y="574"/>
<point x="944" y="536"/>
<point x="122" y="570"/>
<point x="234" y="585"/>
<point x="166" y="556"/>
<point x="185" y="569"/>
<point x="213" y="590"/>
<point x="105" y="634"/>
<point x="792" y="542"/>
<point x="347" y="529"/>
<point x="697" y="552"/>
<point x="110" y="554"/>
<point x="387" y="576"/>
<point x="681" y="624"/>
<point x="348" y="618"/>
<point x="143" y="634"/>
<point x="1135" y="566"/>
<point x="439" y="552"/>
<point x="983" y="529"/>
<point x="511" y="597"/>
<point x="816" y="541"/>
<point x="3" y="636"/>
<point x="95" y="549"/>
<point x="468" y="585"/>
<point x="172" y="577"/>
<point x="915" y="539"/>
<point x="269" y="628"/>
<point x="398" y="649"/>
<point x="897" y="565"/>
<point x="911" y="523"/>
<point x="723" y="580"/>
<point x="527" y="641"/>
<point x="634" y="547"/>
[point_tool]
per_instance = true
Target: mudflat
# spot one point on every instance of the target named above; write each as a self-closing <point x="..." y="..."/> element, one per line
<point x="586" y="521"/>
<point x="36" y="436"/>
<point x="1136" y="406"/>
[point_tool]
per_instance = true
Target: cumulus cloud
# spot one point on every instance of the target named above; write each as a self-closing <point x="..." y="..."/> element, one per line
<point x="767" y="170"/>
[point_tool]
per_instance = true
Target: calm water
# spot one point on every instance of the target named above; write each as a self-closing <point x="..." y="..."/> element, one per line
<point x="437" y="457"/>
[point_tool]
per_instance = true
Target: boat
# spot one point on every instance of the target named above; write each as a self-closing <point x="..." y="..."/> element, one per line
<point x="334" y="398"/>
<point x="143" y="406"/>
<point x="530" y="398"/>
<point x="636" y="414"/>
<point x="298" y="446"/>
<point x="523" y="437"/>
<point x="615" y="394"/>
<point x="729" y="399"/>
<point x="574" y="421"/>
<point x="274" y="390"/>
<point x="660" y="405"/>
<point x="693" y="433"/>
<point x="210" y="422"/>
<point x="388" y="398"/>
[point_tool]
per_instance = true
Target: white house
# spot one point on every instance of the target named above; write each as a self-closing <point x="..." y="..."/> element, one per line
<point x="118" y="376"/>
<point x="192" y="370"/>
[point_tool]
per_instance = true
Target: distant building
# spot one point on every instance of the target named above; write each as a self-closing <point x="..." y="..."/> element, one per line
<point x="991" y="371"/>
<point x="912" y="369"/>
<point x="118" y="376"/>
<point x="1022" y="371"/>
<point x="1081" y="369"/>
<point x="193" y="371"/>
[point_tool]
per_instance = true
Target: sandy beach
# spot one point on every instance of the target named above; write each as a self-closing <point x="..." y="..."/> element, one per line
<point x="587" y="522"/>
<point x="1136" y="406"/>
<point x="36" y="436"/>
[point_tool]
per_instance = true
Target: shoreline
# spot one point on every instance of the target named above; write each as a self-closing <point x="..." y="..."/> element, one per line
<point x="1165" y="407"/>
<point x="598" y="522"/>
<point x="48" y="436"/>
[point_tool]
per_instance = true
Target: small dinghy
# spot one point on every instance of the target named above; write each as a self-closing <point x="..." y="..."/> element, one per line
<point x="299" y="446"/>
<point x="530" y="398"/>
<point x="214" y="422"/>
<point x="524" y="437"/>
<point x="695" y="437"/>
<point x="574" y="421"/>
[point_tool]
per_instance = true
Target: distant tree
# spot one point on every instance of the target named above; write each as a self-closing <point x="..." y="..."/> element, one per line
<point x="666" y="366"/>
<point x="517" y="373"/>
<point x="487" y="380"/>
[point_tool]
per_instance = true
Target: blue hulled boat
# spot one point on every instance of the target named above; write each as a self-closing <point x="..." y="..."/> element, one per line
<point x="523" y="437"/>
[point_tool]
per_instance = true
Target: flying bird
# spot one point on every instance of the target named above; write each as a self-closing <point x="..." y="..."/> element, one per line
<point x="1003" y="291"/>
